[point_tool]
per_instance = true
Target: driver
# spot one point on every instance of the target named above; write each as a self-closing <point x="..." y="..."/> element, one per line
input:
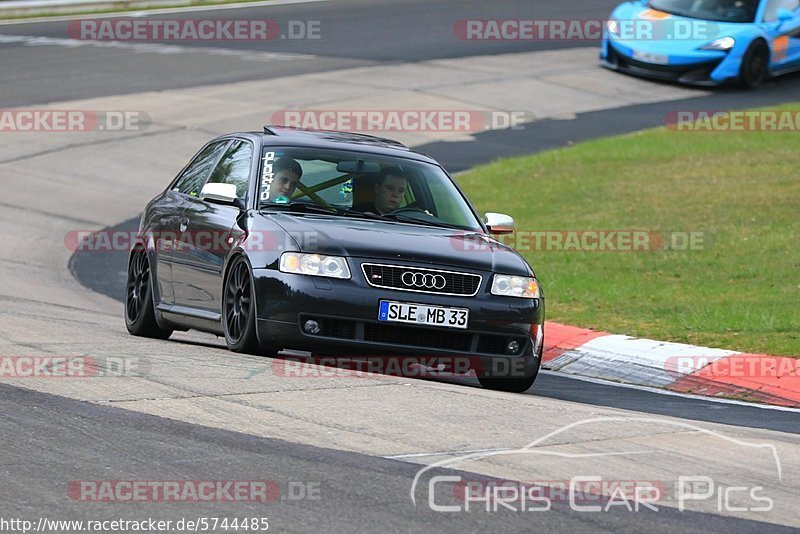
<point x="284" y="182"/>
<point x="389" y="192"/>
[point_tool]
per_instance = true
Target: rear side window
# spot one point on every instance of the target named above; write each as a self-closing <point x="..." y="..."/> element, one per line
<point x="235" y="167"/>
<point x="195" y="176"/>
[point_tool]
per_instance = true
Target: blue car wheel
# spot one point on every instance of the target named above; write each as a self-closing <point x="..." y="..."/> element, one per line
<point x="755" y="65"/>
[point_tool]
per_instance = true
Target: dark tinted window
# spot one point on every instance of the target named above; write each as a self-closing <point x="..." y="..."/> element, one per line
<point x="192" y="180"/>
<point x="234" y="168"/>
<point x="367" y="183"/>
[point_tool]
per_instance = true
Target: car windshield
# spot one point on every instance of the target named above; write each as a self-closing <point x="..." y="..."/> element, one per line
<point x="354" y="184"/>
<point x="716" y="10"/>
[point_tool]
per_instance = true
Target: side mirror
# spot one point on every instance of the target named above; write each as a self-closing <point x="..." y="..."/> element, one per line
<point x="220" y="194"/>
<point x="784" y="14"/>
<point x="499" y="223"/>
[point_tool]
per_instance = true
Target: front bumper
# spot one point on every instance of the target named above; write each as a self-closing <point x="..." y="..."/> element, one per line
<point x="703" y="69"/>
<point x="347" y="311"/>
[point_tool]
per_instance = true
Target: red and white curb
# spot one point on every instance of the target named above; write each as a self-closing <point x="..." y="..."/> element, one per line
<point x="673" y="366"/>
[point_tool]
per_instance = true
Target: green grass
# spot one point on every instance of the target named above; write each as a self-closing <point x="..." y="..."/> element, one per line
<point x="742" y="189"/>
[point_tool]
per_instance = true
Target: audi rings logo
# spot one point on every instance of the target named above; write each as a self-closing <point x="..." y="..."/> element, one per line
<point x="424" y="280"/>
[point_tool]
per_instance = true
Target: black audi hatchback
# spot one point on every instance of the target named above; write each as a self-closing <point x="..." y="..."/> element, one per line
<point x="335" y="244"/>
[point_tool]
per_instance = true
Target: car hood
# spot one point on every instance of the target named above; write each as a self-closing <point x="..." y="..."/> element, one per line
<point x="687" y="34"/>
<point x="378" y="240"/>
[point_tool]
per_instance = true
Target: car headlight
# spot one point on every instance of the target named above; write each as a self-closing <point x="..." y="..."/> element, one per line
<point x="314" y="265"/>
<point x="613" y="27"/>
<point x="723" y="43"/>
<point x="515" y="286"/>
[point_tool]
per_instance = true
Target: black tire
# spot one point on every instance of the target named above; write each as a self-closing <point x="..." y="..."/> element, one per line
<point x="140" y="316"/>
<point x="755" y="65"/>
<point x="239" y="309"/>
<point x="511" y="385"/>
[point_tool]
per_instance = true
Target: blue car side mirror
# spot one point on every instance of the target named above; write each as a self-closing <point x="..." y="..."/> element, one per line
<point x="784" y="14"/>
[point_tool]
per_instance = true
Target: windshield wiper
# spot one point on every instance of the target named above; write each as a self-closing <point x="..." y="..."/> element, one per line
<point x="388" y="217"/>
<point x="399" y="218"/>
<point x="302" y="207"/>
<point x="414" y="220"/>
<point x="364" y="215"/>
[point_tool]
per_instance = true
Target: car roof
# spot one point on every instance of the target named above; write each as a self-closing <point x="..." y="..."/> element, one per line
<point x="280" y="135"/>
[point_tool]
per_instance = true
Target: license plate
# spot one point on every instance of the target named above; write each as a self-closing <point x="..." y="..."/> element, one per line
<point x="422" y="314"/>
<point x="651" y="58"/>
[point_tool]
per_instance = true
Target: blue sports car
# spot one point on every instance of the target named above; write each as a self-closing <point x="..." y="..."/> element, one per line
<point x="704" y="42"/>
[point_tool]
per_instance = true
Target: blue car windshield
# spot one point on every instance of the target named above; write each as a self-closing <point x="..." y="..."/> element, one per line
<point x="716" y="10"/>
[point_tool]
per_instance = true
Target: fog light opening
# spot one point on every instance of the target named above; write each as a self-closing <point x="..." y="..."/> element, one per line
<point x="311" y="327"/>
<point x="512" y="347"/>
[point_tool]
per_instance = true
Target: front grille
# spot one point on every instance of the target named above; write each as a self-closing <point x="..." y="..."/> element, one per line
<point x="337" y="328"/>
<point x="421" y="280"/>
<point x="413" y="336"/>
<point x="677" y="70"/>
<point x="691" y="72"/>
<point x="417" y="337"/>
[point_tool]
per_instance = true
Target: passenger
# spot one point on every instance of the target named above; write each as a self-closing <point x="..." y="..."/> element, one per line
<point x="389" y="192"/>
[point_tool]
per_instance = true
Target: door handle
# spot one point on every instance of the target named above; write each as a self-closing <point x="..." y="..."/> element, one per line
<point x="184" y="224"/>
